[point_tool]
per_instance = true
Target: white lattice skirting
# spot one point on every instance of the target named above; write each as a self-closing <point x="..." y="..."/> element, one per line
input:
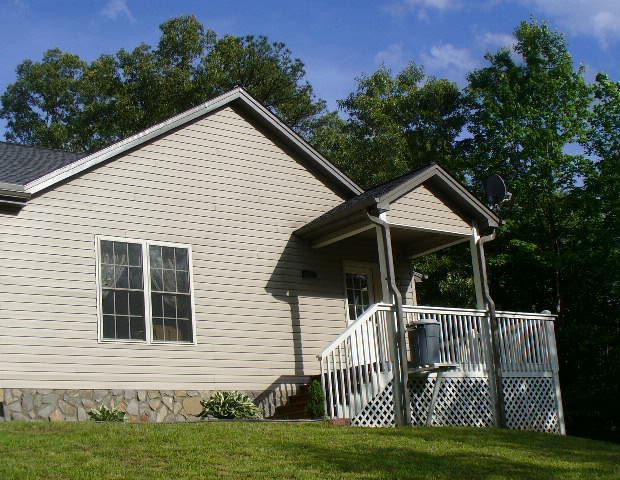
<point x="530" y="404"/>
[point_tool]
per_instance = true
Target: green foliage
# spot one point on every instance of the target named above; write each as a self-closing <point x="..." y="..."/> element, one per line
<point x="395" y="123"/>
<point x="65" y="102"/>
<point x="105" y="414"/>
<point x="316" y="400"/>
<point x="229" y="405"/>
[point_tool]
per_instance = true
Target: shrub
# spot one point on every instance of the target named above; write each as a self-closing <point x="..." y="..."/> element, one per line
<point x="229" y="405"/>
<point x="105" y="414"/>
<point x="316" y="400"/>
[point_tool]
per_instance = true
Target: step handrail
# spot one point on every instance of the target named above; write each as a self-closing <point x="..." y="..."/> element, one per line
<point x="376" y="307"/>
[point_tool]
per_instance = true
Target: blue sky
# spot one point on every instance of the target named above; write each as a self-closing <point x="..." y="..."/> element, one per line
<point x="338" y="39"/>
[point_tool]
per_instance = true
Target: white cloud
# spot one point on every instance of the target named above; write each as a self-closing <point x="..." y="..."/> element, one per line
<point x="422" y="7"/>
<point x="391" y="56"/>
<point x="114" y="9"/>
<point x="598" y="18"/>
<point x="448" y="59"/>
<point x="497" y="40"/>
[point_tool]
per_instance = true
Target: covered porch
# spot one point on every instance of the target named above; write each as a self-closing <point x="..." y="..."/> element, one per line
<point x="494" y="368"/>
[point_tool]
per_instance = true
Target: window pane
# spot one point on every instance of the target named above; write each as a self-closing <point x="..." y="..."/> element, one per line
<point x="185" y="330"/>
<point x="136" y="303"/>
<point x="170" y="329"/>
<point x="107" y="302"/>
<point x="157" y="304"/>
<point x="167" y="254"/>
<point x="170" y="284"/>
<point x="183" y="307"/>
<point x="107" y="275"/>
<point x="122" y="327"/>
<point x="157" y="283"/>
<point x="122" y="291"/>
<point x="181" y="258"/>
<point x="135" y="277"/>
<point x="170" y="307"/>
<point x="122" y="278"/>
<point x="182" y="281"/>
<point x="121" y="303"/>
<point x="120" y="253"/>
<point x="108" y="326"/>
<point x="172" y="315"/>
<point x="155" y="256"/>
<point x="135" y="254"/>
<point x="107" y="255"/>
<point x="158" y="329"/>
<point x="137" y="329"/>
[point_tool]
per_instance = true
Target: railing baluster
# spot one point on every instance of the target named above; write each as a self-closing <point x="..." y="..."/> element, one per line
<point x="336" y="389"/>
<point x="330" y="391"/>
<point x="346" y="406"/>
<point x="529" y="363"/>
<point x="354" y="381"/>
<point x="367" y="370"/>
<point x="325" y="408"/>
<point x="443" y="358"/>
<point x="360" y="368"/>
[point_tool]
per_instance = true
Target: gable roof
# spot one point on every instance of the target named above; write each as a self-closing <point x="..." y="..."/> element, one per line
<point x="382" y="195"/>
<point x="21" y="164"/>
<point x="237" y="97"/>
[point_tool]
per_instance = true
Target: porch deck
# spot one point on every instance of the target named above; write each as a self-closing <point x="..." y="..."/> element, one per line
<point x="357" y="370"/>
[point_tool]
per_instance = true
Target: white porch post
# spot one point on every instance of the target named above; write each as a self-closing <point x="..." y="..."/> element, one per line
<point x="475" y="261"/>
<point x="484" y="301"/>
<point x="398" y="350"/>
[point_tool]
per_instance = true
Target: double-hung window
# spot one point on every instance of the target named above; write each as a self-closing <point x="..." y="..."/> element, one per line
<point x="145" y="291"/>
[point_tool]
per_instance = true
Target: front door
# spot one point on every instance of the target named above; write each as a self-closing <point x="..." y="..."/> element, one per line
<point x="359" y="286"/>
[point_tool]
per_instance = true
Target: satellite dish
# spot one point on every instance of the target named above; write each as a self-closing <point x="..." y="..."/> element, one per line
<point x="496" y="191"/>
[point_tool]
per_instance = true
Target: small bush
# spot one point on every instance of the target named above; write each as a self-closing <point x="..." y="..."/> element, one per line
<point x="316" y="400"/>
<point x="229" y="405"/>
<point x="105" y="414"/>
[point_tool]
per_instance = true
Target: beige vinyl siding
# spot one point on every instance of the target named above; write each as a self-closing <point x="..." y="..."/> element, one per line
<point x="219" y="185"/>
<point x="422" y="208"/>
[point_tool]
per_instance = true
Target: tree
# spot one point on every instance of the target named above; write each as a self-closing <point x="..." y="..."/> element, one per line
<point x="591" y="327"/>
<point x="65" y="102"/>
<point x="394" y="123"/>
<point x="527" y="108"/>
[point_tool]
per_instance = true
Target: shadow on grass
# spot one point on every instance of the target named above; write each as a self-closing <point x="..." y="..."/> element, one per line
<point x="459" y="453"/>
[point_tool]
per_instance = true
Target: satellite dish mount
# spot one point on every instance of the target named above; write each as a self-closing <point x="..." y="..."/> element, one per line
<point x="496" y="192"/>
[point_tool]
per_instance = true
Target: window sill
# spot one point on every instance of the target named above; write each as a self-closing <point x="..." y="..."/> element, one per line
<point x="141" y="342"/>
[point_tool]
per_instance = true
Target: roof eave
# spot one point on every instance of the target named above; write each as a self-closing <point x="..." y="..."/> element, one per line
<point x="13" y="194"/>
<point x="309" y="228"/>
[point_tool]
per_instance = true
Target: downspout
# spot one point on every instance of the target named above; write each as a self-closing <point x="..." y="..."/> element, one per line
<point x="495" y="368"/>
<point x="401" y="395"/>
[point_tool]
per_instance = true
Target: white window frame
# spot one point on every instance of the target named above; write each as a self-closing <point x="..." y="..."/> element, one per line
<point x="146" y="274"/>
<point x="352" y="266"/>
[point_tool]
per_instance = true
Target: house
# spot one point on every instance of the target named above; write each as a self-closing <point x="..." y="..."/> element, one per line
<point x="219" y="251"/>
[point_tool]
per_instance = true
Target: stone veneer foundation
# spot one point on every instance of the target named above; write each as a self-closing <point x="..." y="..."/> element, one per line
<point x="140" y="406"/>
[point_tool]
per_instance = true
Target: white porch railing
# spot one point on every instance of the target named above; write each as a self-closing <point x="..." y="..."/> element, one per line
<point x="462" y="334"/>
<point x="356" y="366"/>
<point x="526" y="342"/>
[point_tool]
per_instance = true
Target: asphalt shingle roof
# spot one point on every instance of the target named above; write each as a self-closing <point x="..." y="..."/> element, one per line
<point x="22" y="164"/>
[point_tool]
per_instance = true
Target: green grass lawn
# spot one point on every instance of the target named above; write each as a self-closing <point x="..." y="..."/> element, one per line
<point x="304" y="451"/>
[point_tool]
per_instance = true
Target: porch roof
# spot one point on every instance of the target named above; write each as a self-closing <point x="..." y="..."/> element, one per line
<point x="350" y="216"/>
